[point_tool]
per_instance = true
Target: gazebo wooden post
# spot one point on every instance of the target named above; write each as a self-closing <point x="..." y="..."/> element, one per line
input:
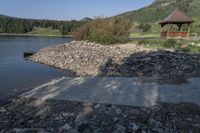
<point x="161" y="29"/>
<point x="168" y="32"/>
<point x="189" y="28"/>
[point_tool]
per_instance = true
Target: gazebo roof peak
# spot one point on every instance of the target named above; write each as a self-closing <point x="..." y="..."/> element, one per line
<point x="177" y="17"/>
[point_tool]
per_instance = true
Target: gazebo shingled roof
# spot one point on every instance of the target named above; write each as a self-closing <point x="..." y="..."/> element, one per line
<point x="177" y="17"/>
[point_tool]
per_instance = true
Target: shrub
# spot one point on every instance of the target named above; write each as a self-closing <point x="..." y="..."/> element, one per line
<point x="185" y="49"/>
<point x="143" y="42"/>
<point x="170" y="43"/>
<point x="150" y="42"/>
<point x="190" y="48"/>
<point x="104" y="31"/>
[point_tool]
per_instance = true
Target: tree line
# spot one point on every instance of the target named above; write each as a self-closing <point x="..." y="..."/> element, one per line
<point x="22" y="26"/>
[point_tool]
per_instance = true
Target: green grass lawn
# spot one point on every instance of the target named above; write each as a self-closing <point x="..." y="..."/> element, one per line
<point x="45" y="31"/>
<point x="144" y="35"/>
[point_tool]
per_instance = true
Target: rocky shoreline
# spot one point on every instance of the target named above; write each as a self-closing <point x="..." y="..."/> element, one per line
<point x="90" y="59"/>
<point x="27" y="115"/>
<point x="83" y="58"/>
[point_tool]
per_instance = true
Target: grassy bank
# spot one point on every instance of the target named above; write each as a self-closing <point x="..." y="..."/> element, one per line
<point x="144" y="35"/>
<point x="45" y="31"/>
<point x="176" y="44"/>
<point x="40" y="32"/>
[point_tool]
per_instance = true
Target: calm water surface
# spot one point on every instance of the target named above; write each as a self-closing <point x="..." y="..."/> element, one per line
<point x="18" y="75"/>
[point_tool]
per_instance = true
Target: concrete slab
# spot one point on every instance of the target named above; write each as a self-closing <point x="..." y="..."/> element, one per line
<point x="118" y="90"/>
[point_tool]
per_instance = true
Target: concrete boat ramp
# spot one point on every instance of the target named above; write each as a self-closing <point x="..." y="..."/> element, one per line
<point x="118" y="90"/>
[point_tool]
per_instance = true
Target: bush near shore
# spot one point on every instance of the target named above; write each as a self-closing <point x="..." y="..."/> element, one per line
<point x="104" y="31"/>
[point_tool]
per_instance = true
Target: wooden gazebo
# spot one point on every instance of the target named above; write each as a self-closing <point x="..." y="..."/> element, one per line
<point x="176" y="18"/>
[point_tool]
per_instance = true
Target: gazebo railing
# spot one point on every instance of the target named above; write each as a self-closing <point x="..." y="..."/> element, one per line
<point x="174" y="34"/>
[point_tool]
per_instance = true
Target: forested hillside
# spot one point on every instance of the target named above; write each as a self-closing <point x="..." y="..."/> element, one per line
<point x="159" y="9"/>
<point x="22" y="26"/>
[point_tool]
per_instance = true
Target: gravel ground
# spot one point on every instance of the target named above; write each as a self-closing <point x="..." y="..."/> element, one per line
<point x="26" y="115"/>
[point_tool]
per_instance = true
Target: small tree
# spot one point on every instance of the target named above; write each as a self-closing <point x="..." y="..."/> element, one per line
<point x="144" y="27"/>
<point x="63" y="30"/>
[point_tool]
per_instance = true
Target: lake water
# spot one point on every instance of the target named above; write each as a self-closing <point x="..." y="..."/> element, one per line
<point x="18" y="75"/>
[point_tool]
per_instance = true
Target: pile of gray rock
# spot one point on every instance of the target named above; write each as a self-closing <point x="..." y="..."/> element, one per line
<point x="90" y="59"/>
<point x="81" y="57"/>
<point x="156" y="64"/>
<point x="25" y="115"/>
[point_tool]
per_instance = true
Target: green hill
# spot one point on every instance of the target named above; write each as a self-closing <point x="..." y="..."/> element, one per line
<point x="159" y="9"/>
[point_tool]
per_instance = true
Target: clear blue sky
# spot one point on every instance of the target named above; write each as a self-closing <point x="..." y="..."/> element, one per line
<point x="68" y="9"/>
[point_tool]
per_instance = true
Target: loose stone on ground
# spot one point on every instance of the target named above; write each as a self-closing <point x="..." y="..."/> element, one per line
<point x="33" y="115"/>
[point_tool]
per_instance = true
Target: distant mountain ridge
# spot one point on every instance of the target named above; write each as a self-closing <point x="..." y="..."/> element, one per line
<point x="159" y="9"/>
<point x="20" y="18"/>
<point x="86" y="19"/>
<point x="1" y="15"/>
